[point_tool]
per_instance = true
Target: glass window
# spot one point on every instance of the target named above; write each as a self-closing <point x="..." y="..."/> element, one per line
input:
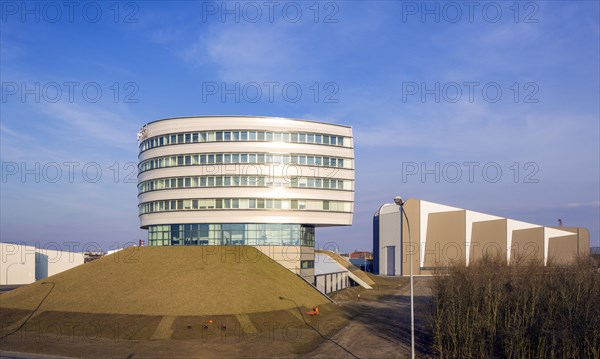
<point x="294" y="137"/>
<point x="302" y="137"/>
<point x="244" y="135"/>
<point x="301" y="204"/>
<point x="194" y="137"/>
<point x="219" y="135"/>
<point x="203" y="230"/>
<point x="252" y="135"/>
<point x="180" y="138"/>
<point x="318" y="139"/>
<point x="188" y="137"/>
<point x="310" y="138"/>
<point x="227" y="136"/>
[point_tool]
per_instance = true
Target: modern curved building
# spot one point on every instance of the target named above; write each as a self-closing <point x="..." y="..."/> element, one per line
<point x="245" y="180"/>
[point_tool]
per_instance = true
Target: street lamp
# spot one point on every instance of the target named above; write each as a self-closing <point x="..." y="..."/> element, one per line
<point x="400" y="203"/>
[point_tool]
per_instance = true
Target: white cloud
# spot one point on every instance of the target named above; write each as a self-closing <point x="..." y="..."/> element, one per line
<point x="252" y="52"/>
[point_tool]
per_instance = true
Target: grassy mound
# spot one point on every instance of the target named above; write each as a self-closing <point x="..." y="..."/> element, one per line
<point x="176" y="281"/>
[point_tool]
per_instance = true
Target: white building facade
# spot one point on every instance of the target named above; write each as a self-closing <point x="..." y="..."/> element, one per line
<point x="242" y="180"/>
<point x="442" y="235"/>
<point x="22" y="264"/>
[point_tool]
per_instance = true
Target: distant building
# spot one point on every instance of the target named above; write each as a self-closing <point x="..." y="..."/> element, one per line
<point x="245" y="180"/>
<point x="441" y="235"/>
<point x="361" y="255"/>
<point x="363" y="260"/>
<point x="23" y="264"/>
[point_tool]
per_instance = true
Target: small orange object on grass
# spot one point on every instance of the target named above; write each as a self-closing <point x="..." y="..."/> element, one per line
<point x="313" y="312"/>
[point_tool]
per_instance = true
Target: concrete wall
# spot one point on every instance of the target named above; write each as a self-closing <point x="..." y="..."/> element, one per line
<point x="50" y="262"/>
<point x="331" y="282"/>
<point x="291" y="257"/>
<point x="441" y="235"/>
<point x="17" y="264"/>
<point x="22" y="264"/>
<point x="389" y="236"/>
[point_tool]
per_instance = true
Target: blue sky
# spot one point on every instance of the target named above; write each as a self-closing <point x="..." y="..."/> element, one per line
<point x="432" y="89"/>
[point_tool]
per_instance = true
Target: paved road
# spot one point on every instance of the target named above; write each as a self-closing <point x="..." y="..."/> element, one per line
<point x="381" y="325"/>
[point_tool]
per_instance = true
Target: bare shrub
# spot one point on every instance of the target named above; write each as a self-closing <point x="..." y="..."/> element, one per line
<point x="523" y="310"/>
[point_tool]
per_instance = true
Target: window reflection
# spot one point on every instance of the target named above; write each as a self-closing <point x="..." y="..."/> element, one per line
<point x="254" y="234"/>
<point x="243" y="135"/>
<point x="244" y="203"/>
<point x="243" y="158"/>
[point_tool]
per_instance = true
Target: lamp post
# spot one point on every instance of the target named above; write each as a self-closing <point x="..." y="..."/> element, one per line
<point x="400" y="203"/>
<point x="8" y="267"/>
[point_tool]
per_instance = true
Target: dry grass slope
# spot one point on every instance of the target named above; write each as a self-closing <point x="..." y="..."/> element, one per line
<point x="177" y="281"/>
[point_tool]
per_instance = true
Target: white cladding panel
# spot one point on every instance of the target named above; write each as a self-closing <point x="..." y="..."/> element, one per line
<point x="247" y="192"/>
<point x="277" y="171"/>
<point x="17" y="264"/>
<point x="207" y="123"/>
<point x="248" y="216"/>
